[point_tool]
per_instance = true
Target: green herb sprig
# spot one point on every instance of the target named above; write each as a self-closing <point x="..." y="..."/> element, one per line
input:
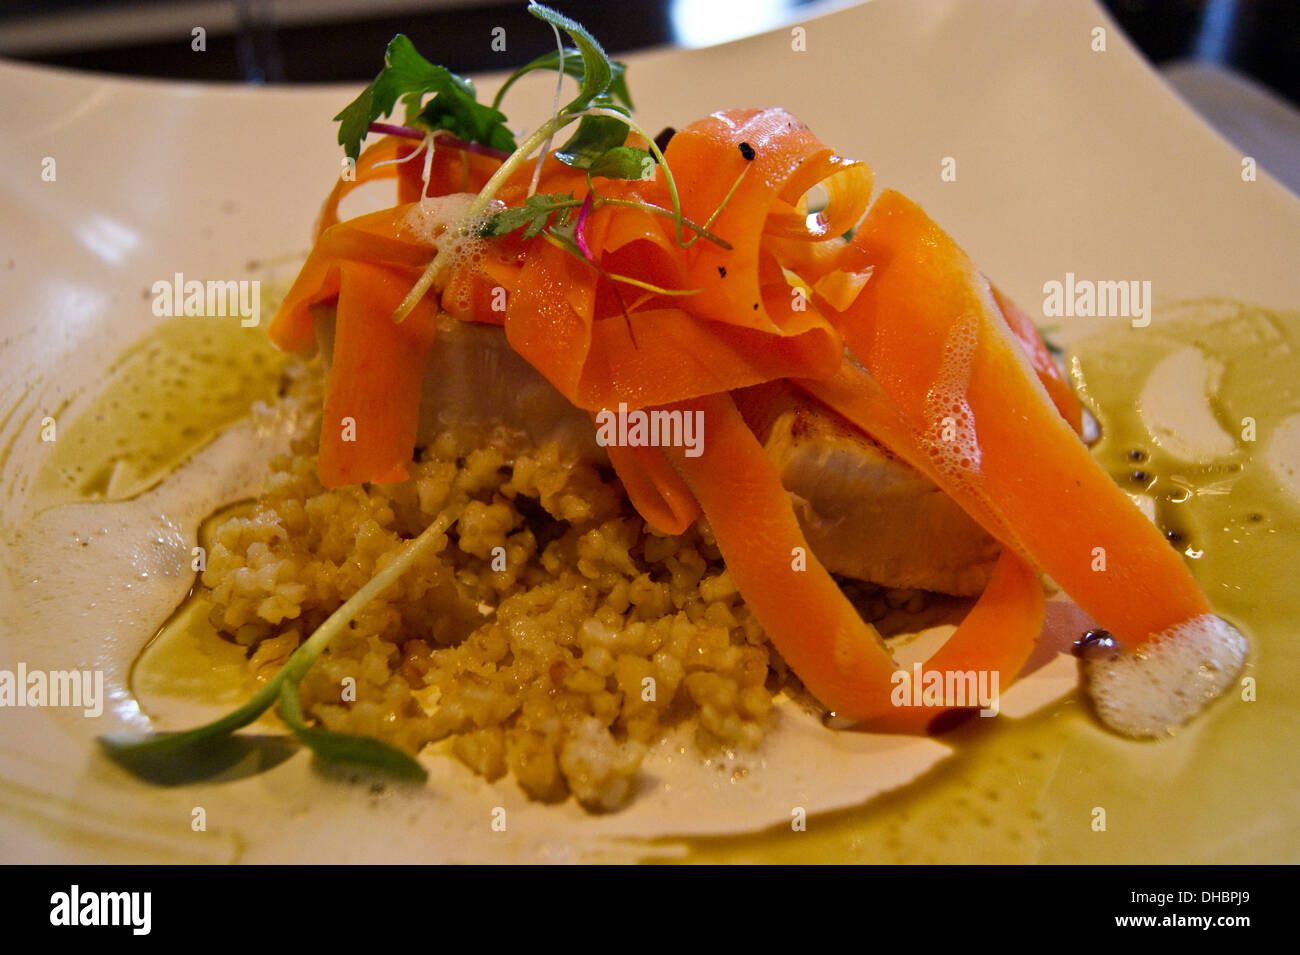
<point x="144" y="753"/>
<point x="408" y="76"/>
<point x="537" y="212"/>
<point x="594" y="99"/>
<point x="574" y="67"/>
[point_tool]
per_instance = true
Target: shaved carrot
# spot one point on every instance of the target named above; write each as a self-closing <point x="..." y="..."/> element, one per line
<point x="659" y="351"/>
<point x="930" y="331"/>
<point x="837" y="655"/>
<point x="840" y="657"/>
<point x="373" y="391"/>
<point x="379" y="237"/>
<point x="372" y="405"/>
<point x="994" y="641"/>
<point x="758" y="200"/>
<point x="853" y="264"/>
<point x="453" y="170"/>
<point x="656" y="490"/>
<point x="1049" y="373"/>
<point x="375" y="163"/>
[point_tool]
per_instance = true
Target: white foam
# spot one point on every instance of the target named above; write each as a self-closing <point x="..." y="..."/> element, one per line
<point x="951" y="438"/>
<point x="1157" y="687"/>
<point x="436" y="221"/>
<point x="90" y="581"/>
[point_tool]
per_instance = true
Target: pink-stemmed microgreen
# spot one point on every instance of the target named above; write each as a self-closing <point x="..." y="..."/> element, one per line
<point x="444" y="138"/>
<point x="580" y="228"/>
<point x="603" y="126"/>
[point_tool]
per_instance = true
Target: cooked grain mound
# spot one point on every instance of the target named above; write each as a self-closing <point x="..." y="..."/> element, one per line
<point x="553" y="634"/>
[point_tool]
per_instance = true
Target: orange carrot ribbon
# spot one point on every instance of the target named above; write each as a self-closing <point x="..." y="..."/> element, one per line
<point x="930" y="331"/>
<point x="840" y="657"/>
<point x="939" y="366"/>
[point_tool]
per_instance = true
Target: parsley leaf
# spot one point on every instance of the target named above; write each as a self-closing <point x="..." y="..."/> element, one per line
<point x="597" y="71"/>
<point x="533" y="216"/>
<point x="409" y="76"/>
<point x="467" y="120"/>
<point x="573" y="66"/>
<point x="595" y="136"/>
<point x="624" y="162"/>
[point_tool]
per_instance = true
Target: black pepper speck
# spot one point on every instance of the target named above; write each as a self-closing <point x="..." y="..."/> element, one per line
<point x="747" y="151"/>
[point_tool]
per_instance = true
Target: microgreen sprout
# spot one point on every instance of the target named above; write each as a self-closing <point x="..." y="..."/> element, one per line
<point x="603" y="126"/>
<point x="555" y="110"/>
<point x="580" y="229"/>
<point x="142" y="752"/>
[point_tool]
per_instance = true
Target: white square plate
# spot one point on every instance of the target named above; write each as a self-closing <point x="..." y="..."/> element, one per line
<point x="1067" y="160"/>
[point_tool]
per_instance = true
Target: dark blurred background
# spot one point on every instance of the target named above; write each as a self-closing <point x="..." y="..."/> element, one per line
<point x="1236" y="62"/>
<point x="302" y="41"/>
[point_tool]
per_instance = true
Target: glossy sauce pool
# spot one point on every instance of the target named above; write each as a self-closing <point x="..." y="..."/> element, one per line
<point x="1225" y="788"/>
<point x="1029" y="789"/>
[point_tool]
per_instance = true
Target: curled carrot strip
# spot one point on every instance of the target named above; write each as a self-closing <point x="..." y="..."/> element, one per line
<point x="930" y="331"/>
<point x="847" y="183"/>
<point x="372" y="405"/>
<point x="601" y="343"/>
<point x="367" y="169"/>
<point x="991" y="646"/>
<point x="809" y="260"/>
<point x="655" y="489"/>
<point x="380" y="237"/>
<point x="737" y="285"/>
<point x="1026" y="332"/>
<point x="840" y="658"/>
<point x="654" y="354"/>
<point x="453" y="170"/>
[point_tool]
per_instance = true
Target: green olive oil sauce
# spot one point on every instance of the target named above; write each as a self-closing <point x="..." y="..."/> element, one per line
<point x="188" y="659"/>
<point x="1031" y="789"/>
<point x="1057" y="786"/>
<point x="165" y="398"/>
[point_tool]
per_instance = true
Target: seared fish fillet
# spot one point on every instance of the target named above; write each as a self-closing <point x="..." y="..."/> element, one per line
<point x="475" y="380"/>
<point x="866" y="513"/>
